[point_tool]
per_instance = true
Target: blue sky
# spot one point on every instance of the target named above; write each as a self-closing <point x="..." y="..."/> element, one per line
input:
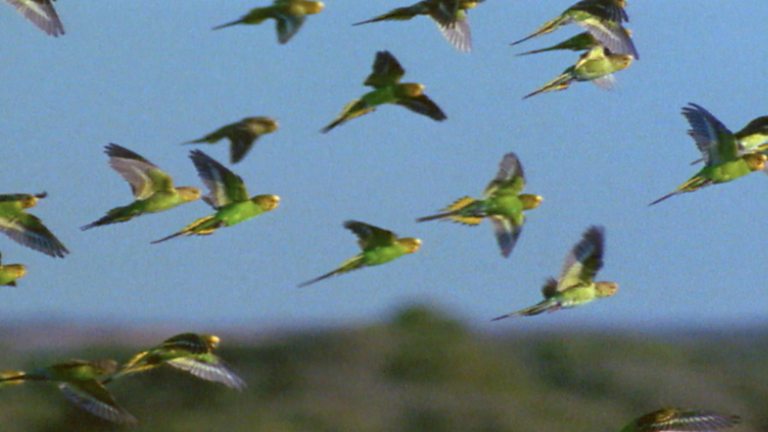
<point x="150" y="75"/>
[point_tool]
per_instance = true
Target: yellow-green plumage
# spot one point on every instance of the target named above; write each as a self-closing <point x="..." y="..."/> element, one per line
<point x="27" y="229"/>
<point x="289" y="16"/>
<point x="9" y="273"/>
<point x="241" y="135"/>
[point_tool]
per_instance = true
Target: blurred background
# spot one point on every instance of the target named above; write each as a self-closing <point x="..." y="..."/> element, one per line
<point x="688" y="326"/>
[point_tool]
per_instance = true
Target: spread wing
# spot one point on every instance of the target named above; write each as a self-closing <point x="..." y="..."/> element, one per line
<point x="28" y="230"/>
<point x="386" y="71"/>
<point x="369" y="235"/>
<point x="506" y="233"/>
<point x="584" y="260"/>
<point x="716" y="142"/>
<point x="213" y="370"/>
<point x="510" y="174"/>
<point x="144" y="177"/>
<point x="287" y="26"/>
<point x="224" y="186"/>
<point x="41" y="13"/>
<point x="97" y="400"/>
<point x="423" y="105"/>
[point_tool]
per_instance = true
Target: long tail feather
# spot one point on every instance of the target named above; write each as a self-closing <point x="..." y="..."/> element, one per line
<point x="349" y="265"/>
<point x="191" y="229"/>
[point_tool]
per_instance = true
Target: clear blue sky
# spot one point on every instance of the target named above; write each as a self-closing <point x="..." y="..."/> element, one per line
<point x="150" y="75"/>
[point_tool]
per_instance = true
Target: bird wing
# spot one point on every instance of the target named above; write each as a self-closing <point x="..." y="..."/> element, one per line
<point x="612" y="35"/>
<point x="605" y="10"/>
<point x="213" y="370"/>
<point x="41" y="13"/>
<point x="370" y="236"/>
<point x="93" y="397"/>
<point x="422" y="104"/>
<point x="585" y="259"/>
<point x="506" y="233"/>
<point x="288" y="25"/>
<point x="716" y="142"/>
<point x="510" y="174"/>
<point x="224" y="186"/>
<point x="28" y="230"/>
<point x="674" y="420"/>
<point x="144" y="177"/>
<point x="386" y="71"/>
<point x="458" y="33"/>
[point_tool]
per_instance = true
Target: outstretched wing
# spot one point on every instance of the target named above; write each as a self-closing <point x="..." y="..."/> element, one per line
<point x="28" y="230"/>
<point x="584" y="260"/>
<point x="144" y="177"/>
<point x="369" y="235"/>
<point x="41" y="13"/>
<point x="506" y="233"/>
<point x="213" y="370"/>
<point x="510" y="174"/>
<point x="97" y="400"/>
<point x="225" y="186"/>
<point x="423" y="105"/>
<point x="716" y="142"/>
<point x="386" y="71"/>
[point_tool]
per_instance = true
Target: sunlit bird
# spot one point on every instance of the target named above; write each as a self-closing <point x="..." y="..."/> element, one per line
<point x="81" y="382"/>
<point x="576" y="285"/>
<point x="9" y="273"/>
<point x="385" y="79"/>
<point x="152" y="187"/>
<point x="40" y="13"/>
<point x="227" y="195"/>
<point x="503" y="203"/>
<point x="596" y="65"/>
<point x="601" y="18"/>
<point x="25" y="228"/>
<point x="379" y="246"/>
<point x="190" y="352"/>
<point x="723" y="162"/>
<point x="289" y="16"/>
<point x="449" y="15"/>
<point x="241" y="135"/>
<point x="680" y="420"/>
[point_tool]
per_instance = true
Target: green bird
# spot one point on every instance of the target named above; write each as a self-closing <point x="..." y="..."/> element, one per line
<point x="680" y="420"/>
<point x="25" y="228"/>
<point x="9" y="273"/>
<point x="227" y="196"/>
<point x="596" y="65"/>
<point x="751" y="138"/>
<point x="152" y="187"/>
<point x="190" y="352"/>
<point x="503" y="203"/>
<point x="379" y="246"/>
<point x="241" y="135"/>
<point x="81" y="382"/>
<point x="449" y="15"/>
<point x="723" y="161"/>
<point x="601" y="18"/>
<point x="580" y="42"/>
<point x="40" y="13"/>
<point x="385" y="80"/>
<point x="576" y="285"/>
<point x="289" y="16"/>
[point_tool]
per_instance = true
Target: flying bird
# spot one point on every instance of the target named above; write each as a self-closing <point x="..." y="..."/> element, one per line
<point x="25" y="228"/>
<point x="449" y="15"/>
<point x="503" y="203"/>
<point x="82" y="383"/>
<point x="596" y="65"/>
<point x="601" y="18"/>
<point x="227" y="195"/>
<point x="385" y="80"/>
<point x="9" y="273"/>
<point x="241" y="135"/>
<point x="679" y="420"/>
<point x="289" y="16"/>
<point x="576" y="285"/>
<point x="723" y="162"/>
<point x="751" y="138"/>
<point x="190" y="352"/>
<point x="379" y="246"/>
<point x="40" y="13"/>
<point x="152" y="187"/>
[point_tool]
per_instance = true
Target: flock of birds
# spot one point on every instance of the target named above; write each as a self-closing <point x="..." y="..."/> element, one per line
<point x="608" y="48"/>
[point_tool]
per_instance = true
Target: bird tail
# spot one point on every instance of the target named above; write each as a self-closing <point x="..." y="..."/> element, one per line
<point x="547" y="305"/>
<point x="231" y="23"/>
<point x="201" y="226"/>
<point x="548" y="27"/>
<point x="116" y="215"/>
<point x="552" y="48"/>
<point x="353" y="263"/>
<point x="562" y="82"/>
<point x="689" y="186"/>
<point x="669" y="195"/>
<point x="12" y="377"/>
<point x="456" y="212"/>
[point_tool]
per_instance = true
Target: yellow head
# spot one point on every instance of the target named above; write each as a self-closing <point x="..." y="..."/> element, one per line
<point x="188" y="193"/>
<point x="266" y="202"/>
<point x="412" y="89"/>
<point x="211" y="340"/>
<point x="28" y="201"/>
<point x="410" y="244"/>
<point x="261" y="125"/>
<point x="606" y="289"/>
<point x="755" y="161"/>
<point x="621" y="61"/>
<point x="469" y="4"/>
<point x="531" y="201"/>
<point x="15" y="270"/>
<point x="313" y="7"/>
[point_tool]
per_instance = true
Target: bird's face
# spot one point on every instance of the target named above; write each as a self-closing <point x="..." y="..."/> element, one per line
<point x="261" y="125"/>
<point x="412" y="89"/>
<point x="531" y="201"/>
<point x="189" y="193"/>
<point x="267" y="202"/>
<point x="606" y="289"/>
<point x="622" y="61"/>
<point x="211" y="340"/>
<point x="410" y="244"/>
<point x="15" y="270"/>
<point x="29" y="201"/>
<point x="755" y="161"/>
<point x="469" y="4"/>
<point x="313" y="7"/>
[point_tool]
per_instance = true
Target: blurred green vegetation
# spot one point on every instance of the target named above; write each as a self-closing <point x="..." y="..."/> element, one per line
<point x="421" y="371"/>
